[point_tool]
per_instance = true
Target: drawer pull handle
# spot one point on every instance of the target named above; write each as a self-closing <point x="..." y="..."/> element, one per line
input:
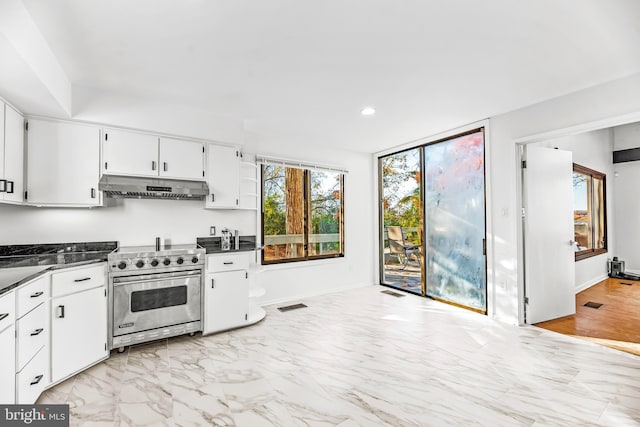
<point x="37" y="332"/>
<point x="37" y="294"/>
<point x="213" y="283"/>
<point x="228" y="262"/>
<point x="37" y="379"/>
<point x="4" y="316"/>
<point x="61" y="312"/>
<point x="82" y="280"/>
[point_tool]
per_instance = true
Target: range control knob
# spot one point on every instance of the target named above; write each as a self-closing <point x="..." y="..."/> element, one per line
<point x="194" y="259"/>
<point x="140" y="263"/>
<point x="180" y="260"/>
<point x="122" y="265"/>
<point x="166" y="261"/>
<point x="154" y="262"/>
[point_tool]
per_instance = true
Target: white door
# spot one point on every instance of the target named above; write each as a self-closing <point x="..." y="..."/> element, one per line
<point x="548" y="234"/>
<point x="78" y="332"/>
<point x="181" y="159"/>
<point x="129" y="153"/>
<point x="223" y="177"/>
<point x="13" y="155"/>
<point x="63" y="165"/>
<point x="226" y="300"/>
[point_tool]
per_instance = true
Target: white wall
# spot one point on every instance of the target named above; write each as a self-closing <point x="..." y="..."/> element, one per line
<point x="138" y="222"/>
<point x="297" y="280"/>
<point x="131" y="222"/>
<point x="593" y="150"/>
<point x="601" y="106"/>
<point x="627" y="200"/>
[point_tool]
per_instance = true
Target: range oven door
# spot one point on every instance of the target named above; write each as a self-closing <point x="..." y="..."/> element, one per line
<point x="148" y="301"/>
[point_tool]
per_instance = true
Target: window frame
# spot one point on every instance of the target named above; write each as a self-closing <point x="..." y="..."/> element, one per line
<point x="307" y="205"/>
<point x="591" y="252"/>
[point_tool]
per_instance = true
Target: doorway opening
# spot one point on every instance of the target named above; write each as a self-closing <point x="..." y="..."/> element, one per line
<point x="567" y="266"/>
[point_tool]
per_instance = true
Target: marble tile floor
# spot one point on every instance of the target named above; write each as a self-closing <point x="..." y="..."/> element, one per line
<point x="361" y="358"/>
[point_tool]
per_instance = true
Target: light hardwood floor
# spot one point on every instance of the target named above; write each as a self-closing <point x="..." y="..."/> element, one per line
<point x="615" y="324"/>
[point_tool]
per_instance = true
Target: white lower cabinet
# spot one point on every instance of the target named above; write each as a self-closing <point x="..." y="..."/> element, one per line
<point x="226" y="300"/>
<point x="78" y="332"/>
<point x="33" y="378"/>
<point x="8" y="365"/>
<point x="32" y="335"/>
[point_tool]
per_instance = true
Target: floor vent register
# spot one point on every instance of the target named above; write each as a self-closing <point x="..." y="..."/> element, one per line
<point x="292" y="307"/>
<point x="592" y="304"/>
<point x="395" y="294"/>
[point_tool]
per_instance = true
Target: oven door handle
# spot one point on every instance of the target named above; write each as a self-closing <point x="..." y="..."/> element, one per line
<point x="118" y="281"/>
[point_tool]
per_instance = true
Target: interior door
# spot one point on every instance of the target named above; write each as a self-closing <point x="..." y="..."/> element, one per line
<point x="548" y="234"/>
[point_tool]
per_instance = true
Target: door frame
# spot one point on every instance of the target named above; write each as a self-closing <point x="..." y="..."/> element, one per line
<point x="520" y="143"/>
<point x="489" y="214"/>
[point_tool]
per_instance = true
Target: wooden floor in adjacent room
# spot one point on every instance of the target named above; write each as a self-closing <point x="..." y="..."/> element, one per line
<point x="615" y="324"/>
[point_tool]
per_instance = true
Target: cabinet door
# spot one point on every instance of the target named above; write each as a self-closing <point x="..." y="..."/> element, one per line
<point x="129" y="153"/>
<point x="226" y="301"/>
<point x="78" y="332"/>
<point x="63" y="163"/>
<point x="8" y="366"/>
<point x="2" y="181"/>
<point x="181" y="159"/>
<point x="13" y="155"/>
<point x="223" y="172"/>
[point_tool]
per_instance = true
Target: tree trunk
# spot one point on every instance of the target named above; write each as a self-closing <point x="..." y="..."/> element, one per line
<point x="294" y="184"/>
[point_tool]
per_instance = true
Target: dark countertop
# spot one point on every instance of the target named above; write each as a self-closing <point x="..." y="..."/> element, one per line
<point x="11" y="278"/>
<point x="213" y="244"/>
<point x="21" y="263"/>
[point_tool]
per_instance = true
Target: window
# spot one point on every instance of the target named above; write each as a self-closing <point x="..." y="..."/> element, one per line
<point x="589" y="212"/>
<point x="302" y="214"/>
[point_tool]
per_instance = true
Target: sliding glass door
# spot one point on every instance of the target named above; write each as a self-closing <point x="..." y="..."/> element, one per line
<point x="400" y="214"/>
<point x="432" y="216"/>
<point x="455" y="221"/>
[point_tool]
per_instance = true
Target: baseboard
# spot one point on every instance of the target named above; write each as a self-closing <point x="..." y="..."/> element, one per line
<point x="310" y="295"/>
<point x="590" y="283"/>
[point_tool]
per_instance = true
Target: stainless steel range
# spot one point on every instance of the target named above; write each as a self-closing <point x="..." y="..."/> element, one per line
<point x="154" y="293"/>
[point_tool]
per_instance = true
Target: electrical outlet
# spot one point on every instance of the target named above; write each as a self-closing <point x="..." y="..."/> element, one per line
<point x="212" y="230"/>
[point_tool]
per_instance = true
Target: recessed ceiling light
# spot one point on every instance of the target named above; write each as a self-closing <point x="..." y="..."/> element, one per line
<point x="368" y="111"/>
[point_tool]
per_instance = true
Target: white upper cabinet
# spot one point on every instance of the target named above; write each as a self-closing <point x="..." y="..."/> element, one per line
<point x="139" y="154"/>
<point x="129" y="153"/>
<point x="223" y="175"/>
<point x="63" y="164"/>
<point x="181" y="159"/>
<point x="3" y="182"/>
<point x="12" y="147"/>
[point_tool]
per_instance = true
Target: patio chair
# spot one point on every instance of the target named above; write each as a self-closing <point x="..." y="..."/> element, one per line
<point x="399" y="247"/>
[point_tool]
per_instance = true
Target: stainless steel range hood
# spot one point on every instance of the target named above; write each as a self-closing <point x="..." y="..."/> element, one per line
<point x="131" y="187"/>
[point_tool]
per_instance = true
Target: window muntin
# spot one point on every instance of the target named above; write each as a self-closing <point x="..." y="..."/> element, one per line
<point x="302" y="214"/>
<point x="589" y="214"/>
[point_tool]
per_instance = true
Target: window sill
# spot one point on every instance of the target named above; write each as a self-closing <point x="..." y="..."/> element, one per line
<point x="589" y="253"/>
<point x="302" y="264"/>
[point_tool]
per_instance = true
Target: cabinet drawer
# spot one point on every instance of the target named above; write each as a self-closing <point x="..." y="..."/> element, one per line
<point x="67" y="282"/>
<point x="33" y="379"/>
<point x="30" y="295"/>
<point x="32" y="334"/>
<point x="7" y="310"/>
<point x="228" y="262"/>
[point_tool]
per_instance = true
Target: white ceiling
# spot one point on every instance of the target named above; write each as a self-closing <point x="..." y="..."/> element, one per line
<point x="308" y="67"/>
